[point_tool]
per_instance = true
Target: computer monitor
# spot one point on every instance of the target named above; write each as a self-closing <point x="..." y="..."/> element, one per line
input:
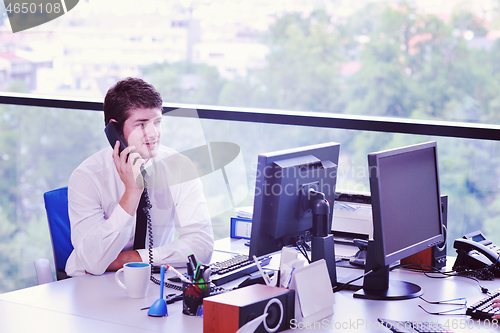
<point x="285" y="181"/>
<point x="406" y="209"/>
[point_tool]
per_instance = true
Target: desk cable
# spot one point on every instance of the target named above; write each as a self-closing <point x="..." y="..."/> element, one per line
<point x="147" y="212"/>
<point x="427" y="270"/>
<point x="344" y="285"/>
<point x="462" y="306"/>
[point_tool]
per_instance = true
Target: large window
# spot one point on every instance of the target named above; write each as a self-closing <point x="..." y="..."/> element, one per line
<point x="408" y="59"/>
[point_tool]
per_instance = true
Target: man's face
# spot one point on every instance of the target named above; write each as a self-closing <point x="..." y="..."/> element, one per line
<point x="142" y="129"/>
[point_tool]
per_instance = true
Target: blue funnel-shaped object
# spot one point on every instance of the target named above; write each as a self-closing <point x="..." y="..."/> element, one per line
<point x="159" y="308"/>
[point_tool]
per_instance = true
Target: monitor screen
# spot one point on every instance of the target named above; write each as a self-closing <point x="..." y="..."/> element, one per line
<point x="406" y="201"/>
<point x="283" y="180"/>
<point x="406" y="209"/>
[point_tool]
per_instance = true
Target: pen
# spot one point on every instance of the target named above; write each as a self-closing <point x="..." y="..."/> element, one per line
<point x="197" y="272"/>
<point x="181" y="276"/>
<point x="290" y="278"/>
<point x="199" y="277"/>
<point x="190" y="272"/>
<point x="264" y="275"/>
<point x="192" y="261"/>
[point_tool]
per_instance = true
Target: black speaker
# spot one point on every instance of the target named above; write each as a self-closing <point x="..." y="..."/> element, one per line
<point x="435" y="256"/>
<point x="438" y="258"/>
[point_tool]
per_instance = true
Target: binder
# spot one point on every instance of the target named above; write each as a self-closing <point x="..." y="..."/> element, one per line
<point x="241" y="227"/>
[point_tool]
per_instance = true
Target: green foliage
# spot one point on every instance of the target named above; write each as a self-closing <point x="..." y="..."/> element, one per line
<point x="40" y="149"/>
<point x="185" y="82"/>
<point x="411" y="65"/>
<point x="303" y="67"/>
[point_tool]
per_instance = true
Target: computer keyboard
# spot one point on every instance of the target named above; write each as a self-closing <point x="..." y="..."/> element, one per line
<point x="413" y="326"/>
<point x="234" y="268"/>
<point x="339" y="257"/>
<point x="484" y="309"/>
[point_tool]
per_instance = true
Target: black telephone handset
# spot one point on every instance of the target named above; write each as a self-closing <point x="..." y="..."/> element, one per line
<point x="111" y="131"/>
<point x="476" y="252"/>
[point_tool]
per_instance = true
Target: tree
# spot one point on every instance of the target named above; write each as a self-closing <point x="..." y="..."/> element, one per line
<point x="303" y="67"/>
<point x="40" y="149"/>
<point x="185" y="82"/>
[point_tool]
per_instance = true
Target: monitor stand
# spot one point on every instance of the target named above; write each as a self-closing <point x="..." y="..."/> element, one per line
<point x="324" y="248"/>
<point x="377" y="286"/>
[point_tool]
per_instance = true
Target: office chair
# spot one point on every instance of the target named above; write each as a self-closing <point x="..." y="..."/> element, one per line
<point x="56" y="205"/>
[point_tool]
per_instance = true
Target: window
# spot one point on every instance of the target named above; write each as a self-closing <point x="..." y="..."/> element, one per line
<point x="405" y="59"/>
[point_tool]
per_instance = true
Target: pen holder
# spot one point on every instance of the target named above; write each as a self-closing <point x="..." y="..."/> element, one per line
<point x="192" y="297"/>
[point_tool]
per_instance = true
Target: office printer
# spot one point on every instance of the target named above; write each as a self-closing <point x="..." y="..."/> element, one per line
<point x="352" y="216"/>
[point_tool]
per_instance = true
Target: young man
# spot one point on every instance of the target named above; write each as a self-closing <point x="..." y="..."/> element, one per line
<point x="105" y="190"/>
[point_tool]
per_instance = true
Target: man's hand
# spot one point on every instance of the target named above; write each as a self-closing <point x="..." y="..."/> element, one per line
<point x="128" y="164"/>
<point x="122" y="259"/>
<point x="496" y="304"/>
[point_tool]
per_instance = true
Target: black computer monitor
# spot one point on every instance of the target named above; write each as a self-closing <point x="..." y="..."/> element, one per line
<point x="407" y="218"/>
<point x="285" y="181"/>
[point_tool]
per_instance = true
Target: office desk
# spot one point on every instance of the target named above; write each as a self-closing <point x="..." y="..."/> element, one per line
<point x="95" y="302"/>
<point x="98" y="304"/>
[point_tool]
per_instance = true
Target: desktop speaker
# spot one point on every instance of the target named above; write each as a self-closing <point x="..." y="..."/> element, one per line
<point x="435" y="256"/>
<point x="227" y="312"/>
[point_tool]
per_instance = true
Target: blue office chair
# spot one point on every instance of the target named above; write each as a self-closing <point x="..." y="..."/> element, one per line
<point x="56" y="205"/>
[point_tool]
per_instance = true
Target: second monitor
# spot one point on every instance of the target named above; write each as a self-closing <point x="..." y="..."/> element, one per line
<point x="285" y="182"/>
<point x="407" y="217"/>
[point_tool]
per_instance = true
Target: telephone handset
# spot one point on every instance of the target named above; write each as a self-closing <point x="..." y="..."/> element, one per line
<point x="111" y="131"/>
<point x="476" y="252"/>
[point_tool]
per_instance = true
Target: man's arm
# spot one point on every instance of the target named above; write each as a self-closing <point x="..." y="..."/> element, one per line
<point x="122" y="259"/>
<point x="100" y="230"/>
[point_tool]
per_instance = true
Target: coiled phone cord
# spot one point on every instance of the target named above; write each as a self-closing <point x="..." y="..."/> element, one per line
<point x="147" y="211"/>
<point x="213" y="290"/>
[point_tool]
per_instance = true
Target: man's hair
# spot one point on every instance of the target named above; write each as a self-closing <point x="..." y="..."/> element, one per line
<point x="125" y="95"/>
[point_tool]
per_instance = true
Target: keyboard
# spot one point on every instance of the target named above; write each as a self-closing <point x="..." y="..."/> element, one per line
<point x="234" y="268"/>
<point x="339" y="257"/>
<point x="413" y="326"/>
<point x="484" y="308"/>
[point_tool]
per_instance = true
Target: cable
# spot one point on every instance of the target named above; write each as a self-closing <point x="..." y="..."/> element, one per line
<point x="213" y="289"/>
<point x="301" y="247"/>
<point x="445" y="274"/>
<point x="336" y="289"/>
<point x="147" y="211"/>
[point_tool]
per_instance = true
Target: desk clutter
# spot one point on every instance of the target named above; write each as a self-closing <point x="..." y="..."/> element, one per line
<point x="299" y="291"/>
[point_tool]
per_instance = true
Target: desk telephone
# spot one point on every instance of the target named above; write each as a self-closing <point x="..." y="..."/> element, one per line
<point x="475" y="251"/>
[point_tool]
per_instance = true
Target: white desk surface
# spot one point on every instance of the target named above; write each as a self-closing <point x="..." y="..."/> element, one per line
<point x="98" y="304"/>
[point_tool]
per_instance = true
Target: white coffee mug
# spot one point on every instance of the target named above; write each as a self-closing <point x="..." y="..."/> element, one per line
<point x="136" y="278"/>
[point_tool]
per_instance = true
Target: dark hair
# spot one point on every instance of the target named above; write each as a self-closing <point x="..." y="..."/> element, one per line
<point x="128" y="94"/>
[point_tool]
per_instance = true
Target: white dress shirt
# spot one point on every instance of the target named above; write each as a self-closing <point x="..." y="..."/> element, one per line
<point x="101" y="229"/>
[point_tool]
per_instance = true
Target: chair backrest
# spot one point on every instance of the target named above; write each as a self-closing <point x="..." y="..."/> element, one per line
<point x="56" y="205"/>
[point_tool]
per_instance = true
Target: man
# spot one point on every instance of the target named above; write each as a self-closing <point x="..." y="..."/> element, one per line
<point x="105" y="190"/>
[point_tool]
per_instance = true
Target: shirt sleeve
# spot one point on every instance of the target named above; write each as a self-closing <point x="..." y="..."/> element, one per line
<point x="97" y="238"/>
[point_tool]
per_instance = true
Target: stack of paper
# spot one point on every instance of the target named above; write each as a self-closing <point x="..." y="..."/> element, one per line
<point x="244" y="212"/>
